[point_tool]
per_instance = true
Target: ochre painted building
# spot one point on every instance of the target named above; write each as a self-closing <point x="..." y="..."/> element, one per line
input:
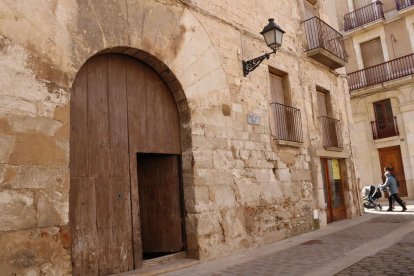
<point x="128" y="131"/>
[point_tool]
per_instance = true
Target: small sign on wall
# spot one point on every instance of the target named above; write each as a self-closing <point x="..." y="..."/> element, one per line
<point x="253" y="119"/>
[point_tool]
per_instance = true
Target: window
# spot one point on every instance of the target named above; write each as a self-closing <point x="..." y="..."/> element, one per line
<point x="277" y="89"/>
<point x="361" y="3"/>
<point x="330" y="127"/>
<point x="383" y="111"/>
<point x="385" y="123"/>
<point x="286" y="121"/>
<point x="323" y="102"/>
<point x="372" y="53"/>
<point x="309" y="10"/>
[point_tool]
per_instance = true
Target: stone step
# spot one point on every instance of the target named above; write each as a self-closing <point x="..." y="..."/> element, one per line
<point x="162" y="265"/>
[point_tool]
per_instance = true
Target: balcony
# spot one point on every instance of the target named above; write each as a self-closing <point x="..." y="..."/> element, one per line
<point x="332" y="133"/>
<point x="324" y="44"/>
<point x="384" y="129"/>
<point x="403" y="4"/>
<point x="363" y="16"/>
<point x="394" y="69"/>
<point x="288" y="123"/>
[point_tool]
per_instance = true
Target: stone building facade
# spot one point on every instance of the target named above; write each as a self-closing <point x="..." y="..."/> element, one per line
<point x="257" y="159"/>
<point x="379" y="38"/>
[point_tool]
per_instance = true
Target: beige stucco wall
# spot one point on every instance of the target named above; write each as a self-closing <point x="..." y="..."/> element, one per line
<point x="241" y="188"/>
<point x="396" y="37"/>
<point x="366" y="149"/>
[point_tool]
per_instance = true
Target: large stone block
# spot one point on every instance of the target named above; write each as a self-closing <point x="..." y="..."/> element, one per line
<point x="222" y="196"/>
<point x="208" y="223"/>
<point x="301" y="174"/>
<point x="25" y="124"/>
<point x="264" y="175"/>
<point x="197" y="199"/>
<point x="37" y="149"/>
<point x="35" y="177"/>
<point x="223" y="159"/>
<point x="2" y="172"/>
<point x="271" y="191"/>
<point x="52" y="208"/>
<point x="203" y="158"/>
<point x="6" y="147"/>
<point x="35" y="252"/>
<point x="233" y="223"/>
<point x="283" y="174"/>
<point x="248" y="190"/>
<point x="17" y="210"/>
<point x="210" y="177"/>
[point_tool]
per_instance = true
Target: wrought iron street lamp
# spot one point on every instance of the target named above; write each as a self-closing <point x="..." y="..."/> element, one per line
<point x="273" y="35"/>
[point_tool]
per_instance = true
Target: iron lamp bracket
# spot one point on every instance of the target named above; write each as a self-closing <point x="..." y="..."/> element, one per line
<point x="252" y="64"/>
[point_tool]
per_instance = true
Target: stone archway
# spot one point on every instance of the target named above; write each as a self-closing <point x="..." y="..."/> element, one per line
<point x="185" y="57"/>
<point x="125" y="125"/>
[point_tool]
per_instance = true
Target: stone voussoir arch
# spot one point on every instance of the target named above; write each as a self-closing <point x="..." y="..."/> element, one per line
<point x="191" y="67"/>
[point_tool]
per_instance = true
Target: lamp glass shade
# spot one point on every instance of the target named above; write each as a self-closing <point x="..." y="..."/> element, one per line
<point x="272" y="34"/>
<point x="270" y="38"/>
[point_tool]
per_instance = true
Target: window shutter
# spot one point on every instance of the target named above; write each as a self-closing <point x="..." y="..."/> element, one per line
<point x="372" y="52"/>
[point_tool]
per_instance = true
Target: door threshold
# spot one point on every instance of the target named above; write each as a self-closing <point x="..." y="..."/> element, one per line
<point x="162" y="265"/>
<point x="164" y="259"/>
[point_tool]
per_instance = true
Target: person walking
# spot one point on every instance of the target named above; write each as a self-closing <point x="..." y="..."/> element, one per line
<point x="391" y="184"/>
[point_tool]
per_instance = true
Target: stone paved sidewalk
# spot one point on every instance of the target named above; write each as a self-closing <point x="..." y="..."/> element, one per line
<point x="395" y="260"/>
<point x="347" y="248"/>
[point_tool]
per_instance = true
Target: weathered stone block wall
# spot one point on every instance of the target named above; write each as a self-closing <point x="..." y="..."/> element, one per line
<point x="34" y="177"/>
<point x="241" y="189"/>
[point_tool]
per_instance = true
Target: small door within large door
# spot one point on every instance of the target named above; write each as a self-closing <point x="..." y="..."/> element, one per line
<point x="391" y="157"/>
<point x="159" y="201"/>
<point x="119" y="107"/>
<point x="333" y="189"/>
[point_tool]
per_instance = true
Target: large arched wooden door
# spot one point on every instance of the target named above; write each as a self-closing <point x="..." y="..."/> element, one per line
<point x="124" y="125"/>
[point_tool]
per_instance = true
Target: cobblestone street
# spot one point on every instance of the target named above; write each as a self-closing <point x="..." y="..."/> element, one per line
<point x="379" y="243"/>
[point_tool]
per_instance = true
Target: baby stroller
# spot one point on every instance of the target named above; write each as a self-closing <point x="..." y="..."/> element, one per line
<point x="370" y="197"/>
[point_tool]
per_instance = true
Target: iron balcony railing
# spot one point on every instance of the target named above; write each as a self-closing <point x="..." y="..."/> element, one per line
<point x="288" y="123"/>
<point x="332" y="132"/>
<point x="403" y="4"/>
<point x="362" y="16"/>
<point x="394" y="69"/>
<point x="320" y="35"/>
<point x="384" y="129"/>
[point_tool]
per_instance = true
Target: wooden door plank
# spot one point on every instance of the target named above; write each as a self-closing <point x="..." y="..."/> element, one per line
<point x="160" y="207"/>
<point x="135" y="212"/>
<point x="163" y="129"/>
<point x="119" y="152"/>
<point x="98" y="149"/>
<point x="79" y="126"/>
<point x="121" y="226"/>
<point x="85" y="254"/>
<point x="136" y="120"/>
<point x="136" y="87"/>
<point x="104" y="224"/>
<point x="118" y="116"/>
<point x="153" y="115"/>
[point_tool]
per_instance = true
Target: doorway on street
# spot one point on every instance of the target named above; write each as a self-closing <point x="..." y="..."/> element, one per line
<point x="333" y="189"/>
<point x="125" y="201"/>
<point x="391" y="157"/>
<point x="160" y="204"/>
